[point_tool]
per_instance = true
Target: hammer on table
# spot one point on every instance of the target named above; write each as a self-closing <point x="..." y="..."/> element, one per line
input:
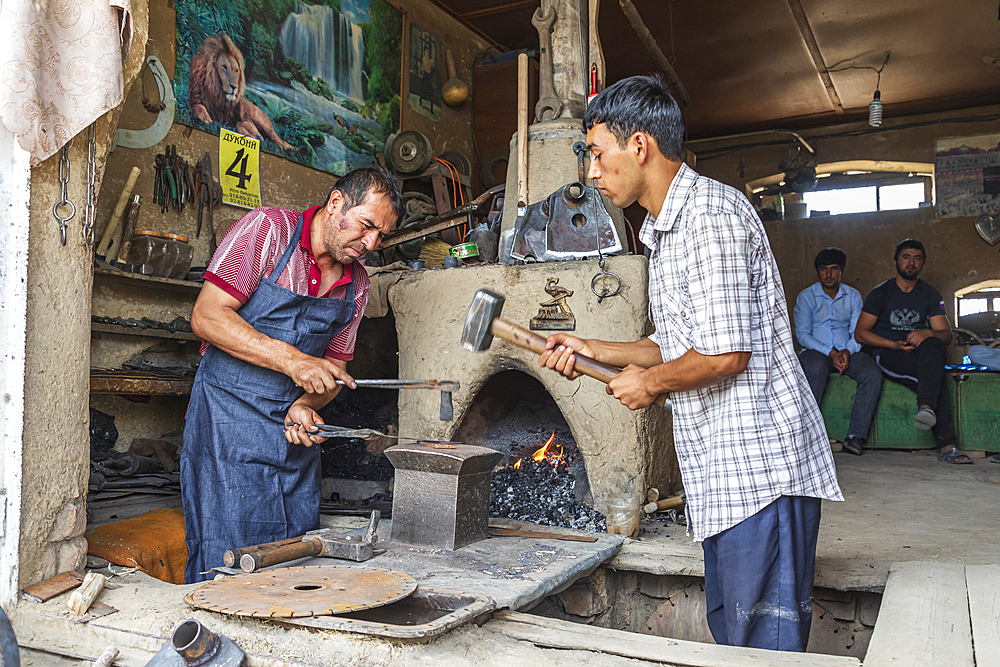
<point x="483" y="323"/>
<point x="324" y="542"/>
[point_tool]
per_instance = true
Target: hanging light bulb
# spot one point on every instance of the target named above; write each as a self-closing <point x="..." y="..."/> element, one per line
<point x="875" y="110"/>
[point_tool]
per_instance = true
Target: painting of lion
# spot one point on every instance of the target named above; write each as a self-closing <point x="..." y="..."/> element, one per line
<point x="216" y="88"/>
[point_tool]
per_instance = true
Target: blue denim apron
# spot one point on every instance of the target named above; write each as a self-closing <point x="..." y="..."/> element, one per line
<point x="242" y="483"/>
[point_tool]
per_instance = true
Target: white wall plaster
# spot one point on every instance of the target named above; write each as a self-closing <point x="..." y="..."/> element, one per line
<point x="15" y="186"/>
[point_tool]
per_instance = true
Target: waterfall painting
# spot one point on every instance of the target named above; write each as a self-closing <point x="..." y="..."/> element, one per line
<point x="317" y="82"/>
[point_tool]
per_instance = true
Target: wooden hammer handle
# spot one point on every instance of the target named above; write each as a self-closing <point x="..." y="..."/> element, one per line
<point x="531" y="341"/>
<point x="670" y="503"/>
<point x="521" y="337"/>
<point x="231" y="557"/>
<point x="251" y="562"/>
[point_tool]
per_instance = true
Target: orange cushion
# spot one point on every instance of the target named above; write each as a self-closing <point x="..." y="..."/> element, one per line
<point x="153" y="542"/>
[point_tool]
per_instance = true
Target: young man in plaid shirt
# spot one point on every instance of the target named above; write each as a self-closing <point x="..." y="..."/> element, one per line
<point x="753" y="451"/>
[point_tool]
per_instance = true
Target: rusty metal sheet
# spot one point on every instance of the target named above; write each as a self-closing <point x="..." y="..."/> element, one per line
<point x="302" y="591"/>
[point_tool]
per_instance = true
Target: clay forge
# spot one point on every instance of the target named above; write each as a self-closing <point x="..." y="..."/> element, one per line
<point x="622" y="451"/>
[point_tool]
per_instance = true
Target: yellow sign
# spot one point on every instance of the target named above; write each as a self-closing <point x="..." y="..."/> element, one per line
<point x="239" y="169"/>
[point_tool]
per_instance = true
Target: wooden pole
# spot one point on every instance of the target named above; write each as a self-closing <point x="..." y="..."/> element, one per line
<point x="647" y="40"/>
<point x="522" y="132"/>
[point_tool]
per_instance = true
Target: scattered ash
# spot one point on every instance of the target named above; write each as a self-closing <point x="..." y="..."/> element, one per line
<point x="541" y="493"/>
<point x="352" y="458"/>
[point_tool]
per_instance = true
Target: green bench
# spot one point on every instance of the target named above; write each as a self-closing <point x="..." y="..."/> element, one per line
<point x="975" y="401"/>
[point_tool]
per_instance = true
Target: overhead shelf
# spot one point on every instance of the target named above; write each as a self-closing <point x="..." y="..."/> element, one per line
<point x="138" y="383"/>
<point x="140" y="331"/>
<point x="116" y="277"/>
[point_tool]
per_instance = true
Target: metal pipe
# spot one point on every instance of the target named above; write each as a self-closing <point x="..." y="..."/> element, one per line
<point x="797" y="136"/>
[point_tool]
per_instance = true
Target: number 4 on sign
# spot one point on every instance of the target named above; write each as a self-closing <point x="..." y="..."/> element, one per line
<point x="241" y="175"/>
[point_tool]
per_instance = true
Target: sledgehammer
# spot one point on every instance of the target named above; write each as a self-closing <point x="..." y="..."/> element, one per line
<point x="483" y="323"/>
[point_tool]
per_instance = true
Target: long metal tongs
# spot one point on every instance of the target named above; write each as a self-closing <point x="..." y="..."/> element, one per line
<point x="331" y="431"/>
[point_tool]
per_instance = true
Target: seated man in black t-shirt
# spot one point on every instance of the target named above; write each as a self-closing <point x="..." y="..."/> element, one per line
<point x="904" y="320"/>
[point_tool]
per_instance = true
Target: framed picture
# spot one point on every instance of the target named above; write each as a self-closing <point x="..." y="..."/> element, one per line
<point x="317" y="82"/>
<point x="425" y="73"/>
<point x="967" y="175"/>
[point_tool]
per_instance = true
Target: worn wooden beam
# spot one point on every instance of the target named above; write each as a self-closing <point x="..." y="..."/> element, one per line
<point x="650" y="43"/>
<point x="553" y="633"/>
<point x="984" y="607"/>
<point x="802" y="23"/>
<point x="924" y="618"/>
<point x="499" y="9"/>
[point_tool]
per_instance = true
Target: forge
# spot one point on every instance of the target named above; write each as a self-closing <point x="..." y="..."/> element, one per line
<point x="620" y="451"/>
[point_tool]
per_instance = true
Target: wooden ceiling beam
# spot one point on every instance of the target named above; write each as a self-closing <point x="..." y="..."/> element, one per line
<point x="499" y="9"/>
<point x="802" y="23"/>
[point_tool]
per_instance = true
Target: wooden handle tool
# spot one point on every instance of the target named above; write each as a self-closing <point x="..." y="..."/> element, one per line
<point x="253" y="561"/>
<point x="521" y="337"/>
<point x="522" y="132"/>
<point x="108" y="238"/>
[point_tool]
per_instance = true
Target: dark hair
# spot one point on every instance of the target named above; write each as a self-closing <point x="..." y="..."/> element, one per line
<point x="356" y="185"/>
<point x="639" y="104"/>
<point x="906" y="244"/>
<point x="831" y="255"/>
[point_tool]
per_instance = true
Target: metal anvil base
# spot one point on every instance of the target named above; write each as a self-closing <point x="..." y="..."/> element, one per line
<point x="441" y="497"/>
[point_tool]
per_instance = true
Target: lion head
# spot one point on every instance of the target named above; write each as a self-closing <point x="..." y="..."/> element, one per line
<point x="217" y="80"/>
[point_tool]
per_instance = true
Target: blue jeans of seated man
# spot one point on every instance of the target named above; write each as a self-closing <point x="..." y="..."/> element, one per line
<point x="985" y="356"/>
<point x="862" y="369"/>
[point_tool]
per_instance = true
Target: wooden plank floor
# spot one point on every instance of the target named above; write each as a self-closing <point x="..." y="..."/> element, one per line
<point x="984" y="606"/>
<point x="924" y="619"/>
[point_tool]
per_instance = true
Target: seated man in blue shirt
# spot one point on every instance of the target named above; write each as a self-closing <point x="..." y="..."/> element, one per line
<point x="825" y="316"/>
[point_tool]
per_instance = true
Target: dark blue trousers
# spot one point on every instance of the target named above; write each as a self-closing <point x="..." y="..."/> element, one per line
<point x="759" y="577"/>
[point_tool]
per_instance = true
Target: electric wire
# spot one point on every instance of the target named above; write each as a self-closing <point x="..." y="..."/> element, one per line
<point x="711" y="153"/>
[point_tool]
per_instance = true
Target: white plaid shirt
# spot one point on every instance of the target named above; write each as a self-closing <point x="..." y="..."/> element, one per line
<point x="714" y="286"/>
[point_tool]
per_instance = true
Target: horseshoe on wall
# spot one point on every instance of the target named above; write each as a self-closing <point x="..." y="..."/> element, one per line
<point x="549" y="106"/>
<point x="156" y="132"/>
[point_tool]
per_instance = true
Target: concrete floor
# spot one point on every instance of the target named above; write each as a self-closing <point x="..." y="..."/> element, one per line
<point x="899" y="506"/>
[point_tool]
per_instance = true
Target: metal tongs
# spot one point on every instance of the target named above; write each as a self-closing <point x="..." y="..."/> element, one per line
<point x="331" y="431"/>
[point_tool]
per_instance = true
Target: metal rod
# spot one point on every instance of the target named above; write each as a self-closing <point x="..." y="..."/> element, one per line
<point x="405" y="384"/>
<point x="802" y="141"/>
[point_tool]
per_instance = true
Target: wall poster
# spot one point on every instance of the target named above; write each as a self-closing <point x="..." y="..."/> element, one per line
<point x="425" y="73"/>
<point x="318" y="82"/>
<point x="967" y="175"/>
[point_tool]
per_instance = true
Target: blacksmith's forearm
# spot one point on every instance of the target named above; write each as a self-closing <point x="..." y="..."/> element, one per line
<point x="318" y="401"/>
<point x="694" y="370"/>
<point x="229" y="332"/>
<point x="643" y="352"/>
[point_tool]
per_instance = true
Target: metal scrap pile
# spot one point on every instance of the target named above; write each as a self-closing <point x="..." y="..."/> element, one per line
<point x="119" y="480"/>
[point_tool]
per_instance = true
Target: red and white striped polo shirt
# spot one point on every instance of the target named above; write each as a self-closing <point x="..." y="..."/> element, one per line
<point x="254" y="245"/>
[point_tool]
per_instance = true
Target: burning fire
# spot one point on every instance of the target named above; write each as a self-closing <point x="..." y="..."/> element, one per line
<point x="547" y="452"/>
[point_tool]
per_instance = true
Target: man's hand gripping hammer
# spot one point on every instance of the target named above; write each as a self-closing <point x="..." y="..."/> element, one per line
<point x="483" y="323"/>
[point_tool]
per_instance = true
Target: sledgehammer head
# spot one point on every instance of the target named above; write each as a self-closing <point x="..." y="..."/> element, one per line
<point x="486" y="306"/>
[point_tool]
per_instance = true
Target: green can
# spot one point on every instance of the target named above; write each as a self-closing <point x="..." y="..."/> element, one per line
<point x="464" y="251"/>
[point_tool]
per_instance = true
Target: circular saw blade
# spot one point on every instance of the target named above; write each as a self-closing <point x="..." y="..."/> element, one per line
<point x="290" y="592"/>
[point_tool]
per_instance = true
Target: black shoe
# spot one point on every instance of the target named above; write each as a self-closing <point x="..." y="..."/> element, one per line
<point x="853" y="445"/>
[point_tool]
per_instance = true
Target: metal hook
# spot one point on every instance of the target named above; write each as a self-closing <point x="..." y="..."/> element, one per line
<point x="603" y="275"/>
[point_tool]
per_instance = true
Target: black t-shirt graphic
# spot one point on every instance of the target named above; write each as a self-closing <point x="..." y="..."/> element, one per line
<point x="900" y="312"/>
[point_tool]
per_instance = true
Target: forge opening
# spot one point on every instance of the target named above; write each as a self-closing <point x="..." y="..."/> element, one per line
<point x="543" y="476"/>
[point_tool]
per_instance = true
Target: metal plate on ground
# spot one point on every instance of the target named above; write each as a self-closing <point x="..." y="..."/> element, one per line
<point x="302" y="591"/>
